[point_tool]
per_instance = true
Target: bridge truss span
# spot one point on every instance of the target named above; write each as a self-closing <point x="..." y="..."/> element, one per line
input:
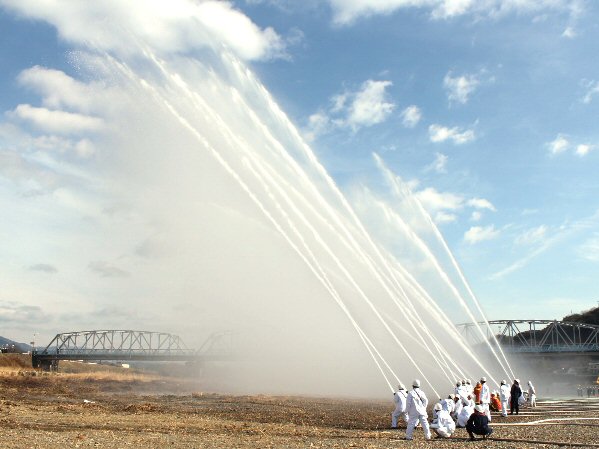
<point x="538" y="336"/>
<point x="127" y="345"/>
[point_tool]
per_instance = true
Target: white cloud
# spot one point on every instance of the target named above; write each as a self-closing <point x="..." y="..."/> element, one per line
<point x="532" y="236"/>
<point x="433" y="201"/>
<point x="348" y="11"/>
<point x="583" y="149"/>
<point x="481" y="203"/>
<point x="558" y="145"/>
<point x="364" y="107"/>
<point x="476" y="215"/>
<point x="369" y="106"/>
<point x="460" y="88"/>
<point x="411" y="116"/>
<point x="55" y="121"/>
<point x="562" y="143"/>
<point x="173" y="26"/>
<point x="569" y="33"/>
<point x="439" y="165"/>
<point x="477" y="234"/>
<point x="438" y="133"/>
<point x="318" y="124"/>
<point x="58" y="90"/>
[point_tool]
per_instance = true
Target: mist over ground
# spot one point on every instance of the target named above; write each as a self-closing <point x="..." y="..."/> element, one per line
<point x="199" y="207"/>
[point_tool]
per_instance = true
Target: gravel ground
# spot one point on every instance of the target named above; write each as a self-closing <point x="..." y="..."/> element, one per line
<point x="52" y="413"/>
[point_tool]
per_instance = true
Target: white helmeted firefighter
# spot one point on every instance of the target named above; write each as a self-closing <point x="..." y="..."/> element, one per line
<point x="485" y="396"/>
<point x="504" y="397"/>
<point x="400" y="398"/>
<point x="457" y="406"/>
<point x="466" y="411"/>
<point x="532" y="395"/>
<point x="416" y="408"/>
<point x="444" y="425"/>
<point x="448" y="404"/>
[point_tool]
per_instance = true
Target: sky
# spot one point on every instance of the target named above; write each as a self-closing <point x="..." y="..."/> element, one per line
<point x="485" y="110"/>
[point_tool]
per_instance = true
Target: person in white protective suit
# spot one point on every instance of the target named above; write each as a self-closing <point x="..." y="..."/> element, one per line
<point x="448" y="404"/>
<point x="469" y="387"/>
<point x="458" y="387"/>
<point x="504" y="397"/>
<point x="466" y="411"/>
<point x="416" y="408"/>
<point x="444" y="426"/>
<point x="532" y="395"/>
<point x="457" y="406"/>
<point x="400" y="398"/>
<point x="485" y="397"/>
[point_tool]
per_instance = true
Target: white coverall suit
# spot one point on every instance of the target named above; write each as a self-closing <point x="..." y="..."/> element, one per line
<point x="444" y="426"/>
<point x="400" y="398"/>
<point x="464" y="415"/>
<point x="416" y="408"/>
<point x="532" y="395"/>
<point x="485" y="399"/>
<point x="504" y="397"/>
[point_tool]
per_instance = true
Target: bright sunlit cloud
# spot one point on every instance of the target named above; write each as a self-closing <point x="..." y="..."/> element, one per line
<point x="458" y="136"/>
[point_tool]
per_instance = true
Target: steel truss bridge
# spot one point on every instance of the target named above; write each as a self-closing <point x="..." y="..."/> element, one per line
<point x="537" y="336"/>
<point x="129" y="345"/>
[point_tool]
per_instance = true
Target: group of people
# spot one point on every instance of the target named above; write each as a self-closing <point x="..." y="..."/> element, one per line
<point x="468" y="406"/>
<point x="592" y="391"/>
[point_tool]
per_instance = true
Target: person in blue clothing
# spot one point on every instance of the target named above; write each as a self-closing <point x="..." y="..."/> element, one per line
<point x="478" y="423"/>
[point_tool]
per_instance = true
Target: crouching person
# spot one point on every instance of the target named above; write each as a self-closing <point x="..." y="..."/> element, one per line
<point x="444" y="425"/>
<point x="478" y="423"/>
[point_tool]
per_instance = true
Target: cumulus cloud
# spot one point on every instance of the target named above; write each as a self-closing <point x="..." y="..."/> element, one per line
<point x="558" y="145"/>
<point x="411" y="116"/>
<point x="433" y="200"/>
<point x="477" y="234"/>
<point x="562" y="143"/>
<point x="459" y="88"/>
<point x="369" y="106"/>
<point x="175" y="26"/>
<point x="55" y="121"/>
<point x="481" y="203"/>
<point x="458" y="136"/>
<point x="569" y="33"/>
<point x="348" y="11"/>
<point x="583" y="149"/>
<point x="364" y="107"/>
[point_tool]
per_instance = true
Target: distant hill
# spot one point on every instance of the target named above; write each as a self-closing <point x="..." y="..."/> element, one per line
<point x="18" y="347"/>
<point x="590" y="316"/>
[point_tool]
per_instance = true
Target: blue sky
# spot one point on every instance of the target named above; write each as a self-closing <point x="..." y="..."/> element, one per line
<point x="486" y="109"/>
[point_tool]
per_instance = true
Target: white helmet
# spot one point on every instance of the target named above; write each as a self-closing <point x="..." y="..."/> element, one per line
<point x="416" y="383"/>
<point x="503" y="382"/>
<point x="401" y="386"/>
<point x="438" y="407"/>
<point x="483" y="379"/>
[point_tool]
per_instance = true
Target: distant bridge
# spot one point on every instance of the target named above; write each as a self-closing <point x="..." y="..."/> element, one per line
<point x="538" y="336"/>
<point x="129" y="345"/>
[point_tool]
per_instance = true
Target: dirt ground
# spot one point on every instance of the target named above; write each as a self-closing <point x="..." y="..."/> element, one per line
<point x="113" y="410"/>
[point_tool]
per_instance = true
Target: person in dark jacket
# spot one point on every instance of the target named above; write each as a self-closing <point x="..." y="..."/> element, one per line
<point x="515" y="394"/>
<point x="478" y="423"/>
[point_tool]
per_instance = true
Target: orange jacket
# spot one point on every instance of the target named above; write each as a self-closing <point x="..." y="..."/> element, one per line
<point x="496" y="403"/>
<point x="477" y="389"/>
